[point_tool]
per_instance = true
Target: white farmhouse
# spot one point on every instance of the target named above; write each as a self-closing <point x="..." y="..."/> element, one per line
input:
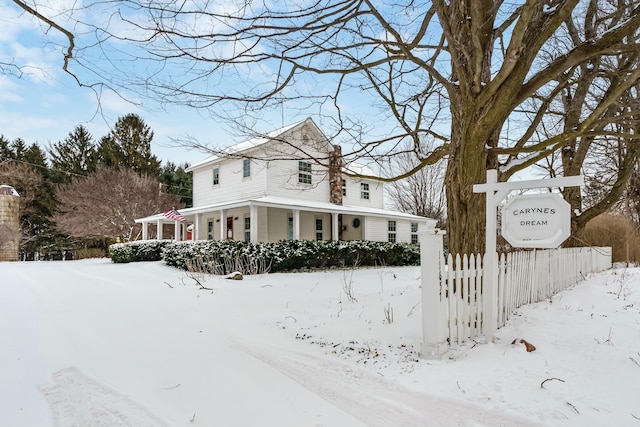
<point x="289" y="185"/>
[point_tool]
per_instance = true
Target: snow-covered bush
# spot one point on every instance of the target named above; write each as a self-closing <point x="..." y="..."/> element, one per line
<point x="139" y="250"/>
<point x="223" y="257"/>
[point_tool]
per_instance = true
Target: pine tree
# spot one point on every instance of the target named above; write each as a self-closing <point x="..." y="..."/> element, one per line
<point x="74" y="156"/>
<point x="128" y="145"/>
<point x="178" y="182"/>
<point x="25" y="168"/>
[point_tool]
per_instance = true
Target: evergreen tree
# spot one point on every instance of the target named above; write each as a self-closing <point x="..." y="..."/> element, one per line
<point x="74" y="156"/>
<point x="128" y="145"/>
<point x="25" y="168"/>
<point x="43" y="205"/>
<point x="178" y="182"/>
<point x="5" y="149"/>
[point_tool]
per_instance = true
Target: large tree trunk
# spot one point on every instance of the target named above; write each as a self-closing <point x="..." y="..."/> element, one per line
<point x="473" y="133"/>
<point x="465" y="210"/>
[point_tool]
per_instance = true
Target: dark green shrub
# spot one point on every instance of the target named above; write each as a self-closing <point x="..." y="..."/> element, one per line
<point x="139" y="250"/>
<point x="223" y="257"/>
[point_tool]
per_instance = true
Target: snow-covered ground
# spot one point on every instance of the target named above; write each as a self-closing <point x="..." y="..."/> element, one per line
<point x="91" y="343"/>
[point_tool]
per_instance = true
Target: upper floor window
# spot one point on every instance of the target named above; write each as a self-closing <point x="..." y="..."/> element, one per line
<point x="364" y="191"/>
<point x="246" y="167"/>
<point x="304" y="172"/>
<point x="216" y="176"/>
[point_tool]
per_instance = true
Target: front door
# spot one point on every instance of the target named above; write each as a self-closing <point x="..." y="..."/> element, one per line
<point x="230" y="228"/>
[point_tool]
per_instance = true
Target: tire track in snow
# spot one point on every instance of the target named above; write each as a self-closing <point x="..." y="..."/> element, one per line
<point x="375" y="401"/>
<point x="78" y="401"/>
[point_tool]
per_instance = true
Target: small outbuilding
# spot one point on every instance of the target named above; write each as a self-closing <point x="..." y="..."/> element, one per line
<point x="9" y="223"/>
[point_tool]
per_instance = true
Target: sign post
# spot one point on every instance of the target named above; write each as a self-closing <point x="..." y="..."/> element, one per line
<point x="495" y="194"/>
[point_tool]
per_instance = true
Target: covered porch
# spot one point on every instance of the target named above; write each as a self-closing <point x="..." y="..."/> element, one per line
<point x="270" y="219"/>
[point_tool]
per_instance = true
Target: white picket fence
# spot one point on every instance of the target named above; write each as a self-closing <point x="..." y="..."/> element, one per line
<point x="453" y="299"/>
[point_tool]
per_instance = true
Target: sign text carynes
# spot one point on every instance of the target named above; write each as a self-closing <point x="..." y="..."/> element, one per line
<point x="536" y="221"/>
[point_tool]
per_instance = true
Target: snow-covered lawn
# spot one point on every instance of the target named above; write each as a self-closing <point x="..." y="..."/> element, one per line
<point x="91" y="343"/>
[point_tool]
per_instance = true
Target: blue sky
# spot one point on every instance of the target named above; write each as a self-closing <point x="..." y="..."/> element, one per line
<point x="43" y="104"/>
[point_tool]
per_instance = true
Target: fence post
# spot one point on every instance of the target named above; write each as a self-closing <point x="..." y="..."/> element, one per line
<point x="434" y="338"/>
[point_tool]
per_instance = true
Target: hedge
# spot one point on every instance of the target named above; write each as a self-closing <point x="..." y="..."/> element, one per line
<point x="223" y="257"/>
<point x="139" y="250"/>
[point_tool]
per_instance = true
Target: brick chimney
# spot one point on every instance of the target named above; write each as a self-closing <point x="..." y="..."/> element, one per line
<point x="335" y="175"/>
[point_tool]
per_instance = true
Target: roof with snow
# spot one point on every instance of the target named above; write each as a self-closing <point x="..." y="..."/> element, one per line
<point x="7" y="190"/>
<point x="258" y="141"/>
<point x="247" y="145"/>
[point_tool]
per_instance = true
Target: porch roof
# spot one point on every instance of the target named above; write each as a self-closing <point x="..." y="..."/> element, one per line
<point x="296" y="204"/>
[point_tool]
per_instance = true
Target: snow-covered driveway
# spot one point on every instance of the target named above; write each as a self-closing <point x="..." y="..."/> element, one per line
<point x="91" y="343"/>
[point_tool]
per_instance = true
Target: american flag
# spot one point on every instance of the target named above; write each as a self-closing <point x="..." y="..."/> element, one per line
<point x="174" y="214"/>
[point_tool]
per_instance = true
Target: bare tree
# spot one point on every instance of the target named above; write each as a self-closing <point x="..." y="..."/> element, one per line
<point x="607" y="154"/>
<point x="421" y="193"/>
<point x="465" y="72"/>
<point x="106" y="203"/>
<point x="27" y="182"/>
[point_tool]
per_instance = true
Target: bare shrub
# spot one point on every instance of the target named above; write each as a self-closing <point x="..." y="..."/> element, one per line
<point x="216" y="265"/>
<point x="616" y="231"/>
<point x="347" y="285"/>
<point x="388" y="314"/>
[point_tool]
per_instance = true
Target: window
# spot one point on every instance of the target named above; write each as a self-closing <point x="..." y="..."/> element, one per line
<point x="216" y="176"/>
<point x="246" y="168"/>
<point x="210" y="230"/>
<point x="319" y="235"/>
<point x="290" y="228"/>
<point x="364" y="191"/>
<point x="344" y="187"/>
<point x="304" y="172"/>
<point x="247" y="229"/>
<point x="414" y="231"/>
<point x="392" y="231"/>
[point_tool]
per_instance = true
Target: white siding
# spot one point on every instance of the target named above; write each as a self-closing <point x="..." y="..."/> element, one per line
<point x="263" y="221"/>
<point x="283" y="173"/>
<point x="283" y="182"/>
<point x="376" y="229"/>
<point x="353" y="197"/>
<point x="277" y="224"/>
<point x="349" y="232"/>
<point x="308" y="225"/>
<point x="233" y="186"/>
<point x="403" y="233"/>
<point x="274" y="172"/>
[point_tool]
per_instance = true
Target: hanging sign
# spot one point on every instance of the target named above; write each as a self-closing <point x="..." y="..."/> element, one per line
<point x="536" y="221"/>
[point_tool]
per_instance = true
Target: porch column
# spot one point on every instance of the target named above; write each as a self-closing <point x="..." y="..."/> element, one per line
<point x="223" y="224"/>
<point x="335" y="232"/>
<point x="253" y="223"/>
<point x="145" y="231"/>
<point x="363" y="225"/>
<point x="176" y="230"/>
<point x="159" y="229"/>
<point x="196" y="227"/>
<point x="296" y="224"/>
